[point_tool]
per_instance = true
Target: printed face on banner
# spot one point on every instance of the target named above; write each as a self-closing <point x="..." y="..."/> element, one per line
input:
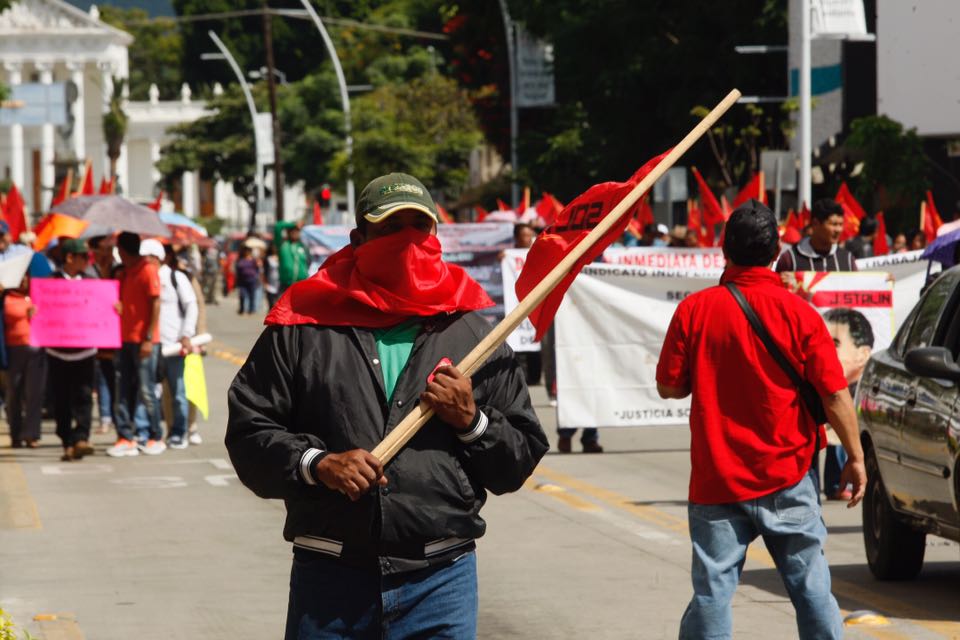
<point x="837" y="294"/>
<point x="853" y="337"/>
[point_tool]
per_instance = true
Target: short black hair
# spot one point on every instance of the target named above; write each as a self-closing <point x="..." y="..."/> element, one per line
<point x="824" y="208"/>
<point x="520" y="226"/>
<point x="868" y="226"/>
<point x="95" y="241"/>
<point x="750" y="238"/>
<point x="129" y="242"/>
<point x="860" y="330"/>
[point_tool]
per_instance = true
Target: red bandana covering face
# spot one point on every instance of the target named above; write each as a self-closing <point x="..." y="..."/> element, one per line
<point x="379" y="284"/>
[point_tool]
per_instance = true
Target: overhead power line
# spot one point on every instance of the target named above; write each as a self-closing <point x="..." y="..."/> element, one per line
<point x="301" y="14"/>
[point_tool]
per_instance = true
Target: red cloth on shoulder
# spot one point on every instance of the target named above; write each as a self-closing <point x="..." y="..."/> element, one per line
<point x="379" y="284"/>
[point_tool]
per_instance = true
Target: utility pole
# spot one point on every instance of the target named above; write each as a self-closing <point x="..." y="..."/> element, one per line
<point x="272" y="89"/>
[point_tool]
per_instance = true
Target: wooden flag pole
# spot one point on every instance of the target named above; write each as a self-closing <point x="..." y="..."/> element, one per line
<point x="408" y="427"/>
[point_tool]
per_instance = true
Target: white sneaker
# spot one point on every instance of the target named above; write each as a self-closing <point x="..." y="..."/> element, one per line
<point x="154" y="447"/>
<point x="177" y="442"/>
<point x="123" y="448"/>
<point x="195" y="438"/>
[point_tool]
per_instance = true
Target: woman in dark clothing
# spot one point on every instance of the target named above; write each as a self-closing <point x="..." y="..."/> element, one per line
<point x="248" y="280"/>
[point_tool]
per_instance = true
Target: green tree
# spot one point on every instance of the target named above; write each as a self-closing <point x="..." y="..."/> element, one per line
<point x="425" y="127"/>
<point x="219" y="145"/>
<point x="156" y="55"/>
<point x="894" y="174"/>
<point x="627" y="75"/>
<point x="115" y="124"/>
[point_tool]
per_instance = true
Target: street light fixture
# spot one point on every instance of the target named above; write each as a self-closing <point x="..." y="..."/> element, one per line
<point x="255" y="74"/>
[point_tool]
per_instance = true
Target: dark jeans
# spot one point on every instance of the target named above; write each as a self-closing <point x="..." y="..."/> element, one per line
<point x="833" y="463"/>
<point x="589" y="434"/>
<point x="331" y="600"/>
<point x="248" y="297"/>
<point x="138" y="378"/>
<point x="72" y="385"/>
<point x="26" y="386"/>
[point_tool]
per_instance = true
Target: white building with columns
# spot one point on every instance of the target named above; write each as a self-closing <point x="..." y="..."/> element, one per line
<point x="50" y="41"/>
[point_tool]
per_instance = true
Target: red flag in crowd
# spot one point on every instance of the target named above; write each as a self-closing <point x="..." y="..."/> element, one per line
<point x="548" y="208"/>
<point x="445" y="216"/>
<point x="524" y="202"/>
<point x="573" y="225"/>
<point x="156" y="204"/>
<point x="755" y="189"/>
<point x="108" y="187"/>
<point x="481" y="213"/>
<point x="803" y="218"/>
<point x="64" y="191"/>
<point x="853" y="213"/>
<point x="317" y="213"/>
<point x="14" y="212"/>
<point x="712" y="212"/>
<point x="880" y="246"/>
<point x="725" y="207"/>
<point x="795" y="222"/>
<point x="502" y="206"/>
<point x="644" y="212"/>
<point x="693" y="217"/>
<point x="930" y="219"/>
<point x="86" y="181"/>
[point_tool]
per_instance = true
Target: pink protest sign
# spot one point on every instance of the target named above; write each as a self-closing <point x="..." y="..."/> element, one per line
<point x="75" y="313"/>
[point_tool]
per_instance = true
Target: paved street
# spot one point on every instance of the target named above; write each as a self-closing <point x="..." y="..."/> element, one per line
<point x="593" y="547"/>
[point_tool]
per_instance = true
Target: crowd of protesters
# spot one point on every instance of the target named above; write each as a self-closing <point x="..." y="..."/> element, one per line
<point x="138" y="388"/>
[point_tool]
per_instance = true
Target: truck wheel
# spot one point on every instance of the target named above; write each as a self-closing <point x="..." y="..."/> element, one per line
<point x="894" y="549"/>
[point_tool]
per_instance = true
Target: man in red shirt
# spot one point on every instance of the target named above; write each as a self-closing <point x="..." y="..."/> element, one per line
<point x="752" y="439"/>
<point x="139" y="351"/>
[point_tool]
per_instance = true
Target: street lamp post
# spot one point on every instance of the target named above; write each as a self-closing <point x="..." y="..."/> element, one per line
<point x="806" y="134"/>
<point x="514" y="123"/>
<point x="225" y="53"/>
<point x="344" y="99"/>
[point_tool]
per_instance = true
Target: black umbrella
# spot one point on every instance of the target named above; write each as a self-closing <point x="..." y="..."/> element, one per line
<point x="115" y="213"/>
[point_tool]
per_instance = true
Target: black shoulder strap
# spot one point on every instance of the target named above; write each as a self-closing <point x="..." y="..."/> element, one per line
<point x="176" y="289"/>
<point x="761" y="332"/>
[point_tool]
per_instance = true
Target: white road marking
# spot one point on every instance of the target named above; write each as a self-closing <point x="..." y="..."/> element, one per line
<point x="222" y="480"/>
<point x="74" y="469"/>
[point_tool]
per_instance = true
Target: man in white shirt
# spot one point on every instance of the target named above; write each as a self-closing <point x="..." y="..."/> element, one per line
<point x="178" y="323"/>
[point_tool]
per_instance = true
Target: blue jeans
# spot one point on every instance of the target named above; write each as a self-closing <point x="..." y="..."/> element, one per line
<point x="331" y="600"/>
<point x="791" y="526"/>
<point x="138" y="379"/>
<point x="106" y="387"/>
<point x="833" y="463"/>
<point x="248" y="297"/>
<point x="173" y="371"/>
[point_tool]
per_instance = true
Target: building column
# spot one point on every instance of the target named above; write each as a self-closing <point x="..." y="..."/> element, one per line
<point x="188" y="193"/>
<point x="79" y="115"/>
<point x="47" y="149"/>
<point x="154" y="159"/>
<point x="17" y="172"/>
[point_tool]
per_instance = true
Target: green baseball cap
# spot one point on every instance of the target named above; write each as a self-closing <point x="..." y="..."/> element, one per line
<point x="74" y="245"/>
<point x="394" y="192"/>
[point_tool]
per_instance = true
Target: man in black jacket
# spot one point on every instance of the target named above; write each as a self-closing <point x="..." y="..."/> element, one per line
<point x="381" y="551"/>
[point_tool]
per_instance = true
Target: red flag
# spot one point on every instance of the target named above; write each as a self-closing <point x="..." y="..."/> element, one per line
<point x="572" y="226"/>
<point x="481" y="213"/>
<point x="14" y="212"/>
<point x="64" y="191"/>
<point x="86" y="181"/>
<point x="502" y="206"/>
<point x="693" y="217"/>
<point x="880" y="246"/>
<point x="930" y="219"/>
<point x="795" y="222"/>
<point x="156" y="204"/>
<point x="107" y="186"/>
<point x="725" y="207"/>
<point x="803" y="218"/>
<point x="548" y="208"/>
<point x="524" y="202"/>
<point x="445" y="216"/>
<point x="644" y="212"/>
<point x="317" y="213"/>
<point x="712" y="212"/>
<point x="753" y="189"/>
<point x="853" y="213"/>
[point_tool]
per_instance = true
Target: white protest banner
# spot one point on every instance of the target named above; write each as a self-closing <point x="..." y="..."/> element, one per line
<point x="706" y="260"/>
<point x="868" y="293"/>
<point x="523" y="337"/>
<point x="13" y="269"/>
<point x="609" y="332"/>
<point x="908" y="272"/>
